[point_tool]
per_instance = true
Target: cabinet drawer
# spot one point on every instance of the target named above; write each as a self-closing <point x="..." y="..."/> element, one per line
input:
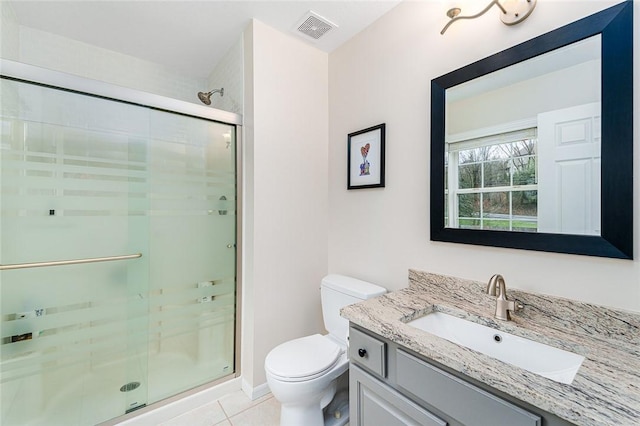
<point x="462" y="401"/>
<point x="375" y="404"/>
<point x="368" y="352"/>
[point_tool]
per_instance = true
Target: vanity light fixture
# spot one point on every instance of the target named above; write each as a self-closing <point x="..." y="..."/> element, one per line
<point x="513" y="12"/>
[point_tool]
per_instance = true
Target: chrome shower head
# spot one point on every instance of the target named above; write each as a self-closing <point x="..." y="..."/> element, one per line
<point x="205" y="98"/>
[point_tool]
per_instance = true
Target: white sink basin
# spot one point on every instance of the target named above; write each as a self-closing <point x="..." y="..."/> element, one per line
<point x="553" y="363"/>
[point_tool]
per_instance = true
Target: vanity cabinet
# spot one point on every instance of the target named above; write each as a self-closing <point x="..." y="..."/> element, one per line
<point x="389" y="385"/>
<point x="381" y="405"/>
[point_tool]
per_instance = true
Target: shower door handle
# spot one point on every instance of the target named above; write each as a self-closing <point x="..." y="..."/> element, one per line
<point x="68" y="262"/>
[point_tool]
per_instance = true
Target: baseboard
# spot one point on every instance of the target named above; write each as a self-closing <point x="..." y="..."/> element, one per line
<point x="255" y="392"/>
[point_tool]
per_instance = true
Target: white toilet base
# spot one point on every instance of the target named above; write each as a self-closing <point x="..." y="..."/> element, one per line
<point x="309" y="412"/>
<point x="337" y="412"/>
<point x="299" y="415"/>
<point x="314" y="415"/>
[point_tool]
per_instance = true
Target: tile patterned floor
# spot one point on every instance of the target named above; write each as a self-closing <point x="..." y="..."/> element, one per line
<point x="235" y="409"/>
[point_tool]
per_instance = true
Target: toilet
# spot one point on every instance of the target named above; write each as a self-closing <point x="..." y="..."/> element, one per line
<point x="303" y="374"/>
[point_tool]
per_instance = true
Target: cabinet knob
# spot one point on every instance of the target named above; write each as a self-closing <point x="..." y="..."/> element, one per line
<point x="362" y="353"/>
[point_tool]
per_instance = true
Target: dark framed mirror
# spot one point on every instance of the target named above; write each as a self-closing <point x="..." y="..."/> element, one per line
<point x="532" y="148"/>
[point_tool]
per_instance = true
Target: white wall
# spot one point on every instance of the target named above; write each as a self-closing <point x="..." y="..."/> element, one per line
<point x="286" y="194"/>
<point x="383" y="75"/>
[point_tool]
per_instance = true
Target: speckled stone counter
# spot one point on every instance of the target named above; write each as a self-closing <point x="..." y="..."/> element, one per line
<point x="606" y="389"/>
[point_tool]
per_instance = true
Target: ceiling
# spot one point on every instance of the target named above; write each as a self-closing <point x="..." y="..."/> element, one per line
<point x="189" y="37"/>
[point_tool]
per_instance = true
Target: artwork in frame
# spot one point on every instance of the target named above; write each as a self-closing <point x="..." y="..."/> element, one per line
<point x="365" y="158"/>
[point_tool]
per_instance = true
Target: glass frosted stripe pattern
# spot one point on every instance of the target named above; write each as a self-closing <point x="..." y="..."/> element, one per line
<point x="85" y="177"/>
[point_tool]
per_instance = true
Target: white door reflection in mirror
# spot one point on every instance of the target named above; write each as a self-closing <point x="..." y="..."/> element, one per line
<point x="569" y="162"/>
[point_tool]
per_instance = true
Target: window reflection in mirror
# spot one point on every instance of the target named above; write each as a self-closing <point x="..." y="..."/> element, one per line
<point x="523" y="145"/>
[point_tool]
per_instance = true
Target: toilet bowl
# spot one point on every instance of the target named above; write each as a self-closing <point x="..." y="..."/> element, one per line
<point x="303" y="373"/>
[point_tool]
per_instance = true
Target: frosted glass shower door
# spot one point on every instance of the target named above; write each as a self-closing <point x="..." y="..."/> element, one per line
<point x="192" y="190"/>
<point x="84" y="177"/>
<point x="74" y="180"/>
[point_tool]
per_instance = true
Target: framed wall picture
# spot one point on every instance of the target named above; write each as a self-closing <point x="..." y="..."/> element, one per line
<point x="365" y="158"/>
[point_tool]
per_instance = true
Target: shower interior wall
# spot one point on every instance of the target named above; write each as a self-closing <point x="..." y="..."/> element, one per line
<point x="228" y="74"/>
<point x="54" y="52"/>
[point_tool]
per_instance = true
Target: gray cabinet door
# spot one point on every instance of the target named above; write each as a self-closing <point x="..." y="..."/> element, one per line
<point x="375" y="404"/>
<point x="453" y="396"/>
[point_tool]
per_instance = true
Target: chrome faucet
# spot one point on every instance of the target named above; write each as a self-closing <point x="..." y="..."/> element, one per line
<point x="497" y="287"/>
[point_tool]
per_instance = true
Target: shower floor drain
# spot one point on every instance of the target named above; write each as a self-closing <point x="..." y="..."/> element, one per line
<point x="130" y="386"/>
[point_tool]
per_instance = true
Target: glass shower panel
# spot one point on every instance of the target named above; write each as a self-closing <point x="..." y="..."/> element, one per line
<point x="192" y="193"/>
<point x="74" y="177"/>
<point x="86" y="177"/>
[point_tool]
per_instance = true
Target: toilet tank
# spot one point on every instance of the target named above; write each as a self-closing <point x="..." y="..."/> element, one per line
<point x="338" y="291"/>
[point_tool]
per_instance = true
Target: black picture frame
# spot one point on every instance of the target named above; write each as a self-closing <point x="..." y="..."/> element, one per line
<point x="366" y="157"/>
<point x="615" y="25"/>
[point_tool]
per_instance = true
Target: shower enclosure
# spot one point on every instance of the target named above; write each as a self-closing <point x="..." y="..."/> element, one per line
<point x="118" y="253"/>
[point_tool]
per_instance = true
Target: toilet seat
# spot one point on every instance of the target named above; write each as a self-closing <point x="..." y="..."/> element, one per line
<point x="303" y="359"/>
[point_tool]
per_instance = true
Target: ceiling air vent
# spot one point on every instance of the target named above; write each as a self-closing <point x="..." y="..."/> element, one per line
<point x="314" y="26"/>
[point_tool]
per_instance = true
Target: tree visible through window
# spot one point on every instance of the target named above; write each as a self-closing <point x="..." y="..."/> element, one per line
<point x="495" y="185"/>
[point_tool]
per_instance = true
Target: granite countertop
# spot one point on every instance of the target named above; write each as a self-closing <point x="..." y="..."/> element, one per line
<point x="606" y="389"/>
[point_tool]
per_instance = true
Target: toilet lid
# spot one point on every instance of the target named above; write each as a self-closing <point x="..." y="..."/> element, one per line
<point x="302" y="358"/>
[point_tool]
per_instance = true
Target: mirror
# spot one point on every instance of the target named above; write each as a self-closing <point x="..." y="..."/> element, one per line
<point x="522" y="145"/>
<point x="532" y="147"/>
